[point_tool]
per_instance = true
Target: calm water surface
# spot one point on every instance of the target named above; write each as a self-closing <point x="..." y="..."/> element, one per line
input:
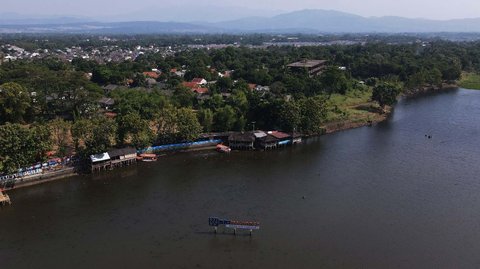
<point x="375" y="197"/>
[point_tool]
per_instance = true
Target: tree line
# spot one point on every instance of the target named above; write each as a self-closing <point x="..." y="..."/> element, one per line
<point x="48" y="104"/>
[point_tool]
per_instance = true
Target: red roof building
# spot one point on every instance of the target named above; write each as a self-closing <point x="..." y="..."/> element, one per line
<point x="153" y="75"/>
<point x="200" y="90"/>
<point x="110" y="115"/>
<point x="279" y="135"/>
<point x="199" y="81"/>
<point x="190" y="85"/>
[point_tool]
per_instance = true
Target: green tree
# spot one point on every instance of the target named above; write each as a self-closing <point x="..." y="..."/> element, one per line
<point x="188" y="127"/>
<point x="386" y="94"/>
<point x="334" y="80"/>
<point x="205" y="117"/>
<point x="224" y="119"/>
<point x="21" y="146"/>
<point x="289" y="115"/>
<point x="177" y="125"/>
<point x="165" y="121"/>
<point x="14" y="102"/>
<point x="278" y="88"/>
<point x="92" y="136"/>
<point x="183" y="97"/>
<point x="224" y="83"/>
<point x="313" y="114"/>
<point x="133" y="128"/>
<point x="60" y="133"/>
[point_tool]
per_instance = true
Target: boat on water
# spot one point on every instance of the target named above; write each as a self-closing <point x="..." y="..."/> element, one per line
<point x="147" y="157"/>
<point x="223" y="149"/>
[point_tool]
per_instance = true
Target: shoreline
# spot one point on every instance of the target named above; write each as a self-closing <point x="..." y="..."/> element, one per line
<point x="330" y="128"/>
<point x="44" y="178"/>
<point x="339" y="126"/>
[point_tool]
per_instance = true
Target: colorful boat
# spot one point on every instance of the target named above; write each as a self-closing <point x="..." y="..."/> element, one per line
<point x="146" y="157"/>
<point x="223" y="149"/>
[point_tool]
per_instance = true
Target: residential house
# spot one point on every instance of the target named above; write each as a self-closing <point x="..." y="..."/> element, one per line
<point x="200" y="90"/>
<point x="106" y="103"/>
<point x="199" y="81"/>
<point x="109" y="88"/>
<point x="153" y="75"/>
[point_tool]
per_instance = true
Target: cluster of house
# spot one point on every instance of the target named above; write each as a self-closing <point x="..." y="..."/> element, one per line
<point x="197" y="85"/>
<point x="262" y="140"/>
<point x="101" y="54"/>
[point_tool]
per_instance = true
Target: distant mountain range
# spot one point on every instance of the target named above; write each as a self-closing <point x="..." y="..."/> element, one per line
<point x="304" y="21"/>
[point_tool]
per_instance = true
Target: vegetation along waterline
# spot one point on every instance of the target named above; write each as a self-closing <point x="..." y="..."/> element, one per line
<point x="62" y="108"/>
<point x="470" y="80"/>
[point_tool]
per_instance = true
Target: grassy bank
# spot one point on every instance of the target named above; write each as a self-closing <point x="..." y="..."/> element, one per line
<point x="352" y="110"/>
<point x="470" y="81"/>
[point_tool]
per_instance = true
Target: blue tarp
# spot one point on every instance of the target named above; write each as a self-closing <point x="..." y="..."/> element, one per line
<point x="179" y="146"/>
<point x="285" y="142"/>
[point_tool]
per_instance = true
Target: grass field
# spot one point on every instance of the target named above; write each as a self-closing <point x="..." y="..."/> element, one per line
<point x="354" y="106"/>
<point x="470" y="81"/>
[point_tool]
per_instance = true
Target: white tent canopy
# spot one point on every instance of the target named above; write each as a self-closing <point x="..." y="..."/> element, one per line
<point x="100" y="157"/>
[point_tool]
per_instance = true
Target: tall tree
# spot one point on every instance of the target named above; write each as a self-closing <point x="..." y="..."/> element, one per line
<point x="205" y="117"/>
<point x="334" y="80"/>
<point x="386" y="94"/>
<point x="224" y="119"/>
<point x="14" y="102"/>
<point x="60" y="133"/>
<point x="22" y="146"/>
<point x="132" y="128"/>
<point x="94" y="135"/>
<point x="313" y="114"/>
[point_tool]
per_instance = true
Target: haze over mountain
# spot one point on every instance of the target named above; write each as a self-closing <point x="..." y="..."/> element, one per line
<point x="334" y="21"/>
<point x="304" y="21"/>
<point x="12" y="18"/>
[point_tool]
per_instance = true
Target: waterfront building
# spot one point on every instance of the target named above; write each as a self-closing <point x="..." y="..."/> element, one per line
<point x="268" y="142"/>
<point x="100" y="161"/>
<point x="122" y="157"/>
<point x="283" y="138"/>
<point x="241" y="141"/>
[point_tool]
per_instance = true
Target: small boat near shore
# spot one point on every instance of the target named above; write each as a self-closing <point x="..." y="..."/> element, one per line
<point x="147" y="157"/>
<point x="223" y="149"/>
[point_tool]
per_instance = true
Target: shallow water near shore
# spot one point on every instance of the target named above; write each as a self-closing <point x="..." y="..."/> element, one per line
<point x="374" y="197"/>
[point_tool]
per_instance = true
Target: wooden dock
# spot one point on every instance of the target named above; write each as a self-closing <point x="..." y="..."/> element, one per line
<point x="4" y="199"/>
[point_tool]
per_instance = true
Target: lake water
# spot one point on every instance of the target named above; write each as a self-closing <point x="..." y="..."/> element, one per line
<point x="373" y="197"/>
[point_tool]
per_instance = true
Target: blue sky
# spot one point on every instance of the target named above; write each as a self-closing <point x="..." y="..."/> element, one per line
<point x="432" y="9"/>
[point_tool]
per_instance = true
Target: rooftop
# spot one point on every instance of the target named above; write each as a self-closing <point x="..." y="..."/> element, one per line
<point x="307" y="63"/>
<point x="279" y="135"/>
<point x="121" y="152"/>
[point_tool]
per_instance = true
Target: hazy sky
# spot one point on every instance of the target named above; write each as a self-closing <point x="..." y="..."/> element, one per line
<point x="433" y="9"/>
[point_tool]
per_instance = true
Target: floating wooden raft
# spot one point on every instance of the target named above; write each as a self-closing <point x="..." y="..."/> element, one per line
<point x="234" y="224"/>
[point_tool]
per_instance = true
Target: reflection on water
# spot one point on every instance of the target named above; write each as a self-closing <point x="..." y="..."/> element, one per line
<point x="374" y="197"/>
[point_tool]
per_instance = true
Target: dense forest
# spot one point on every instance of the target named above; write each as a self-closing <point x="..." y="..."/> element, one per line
<point x="49" y="104"/>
